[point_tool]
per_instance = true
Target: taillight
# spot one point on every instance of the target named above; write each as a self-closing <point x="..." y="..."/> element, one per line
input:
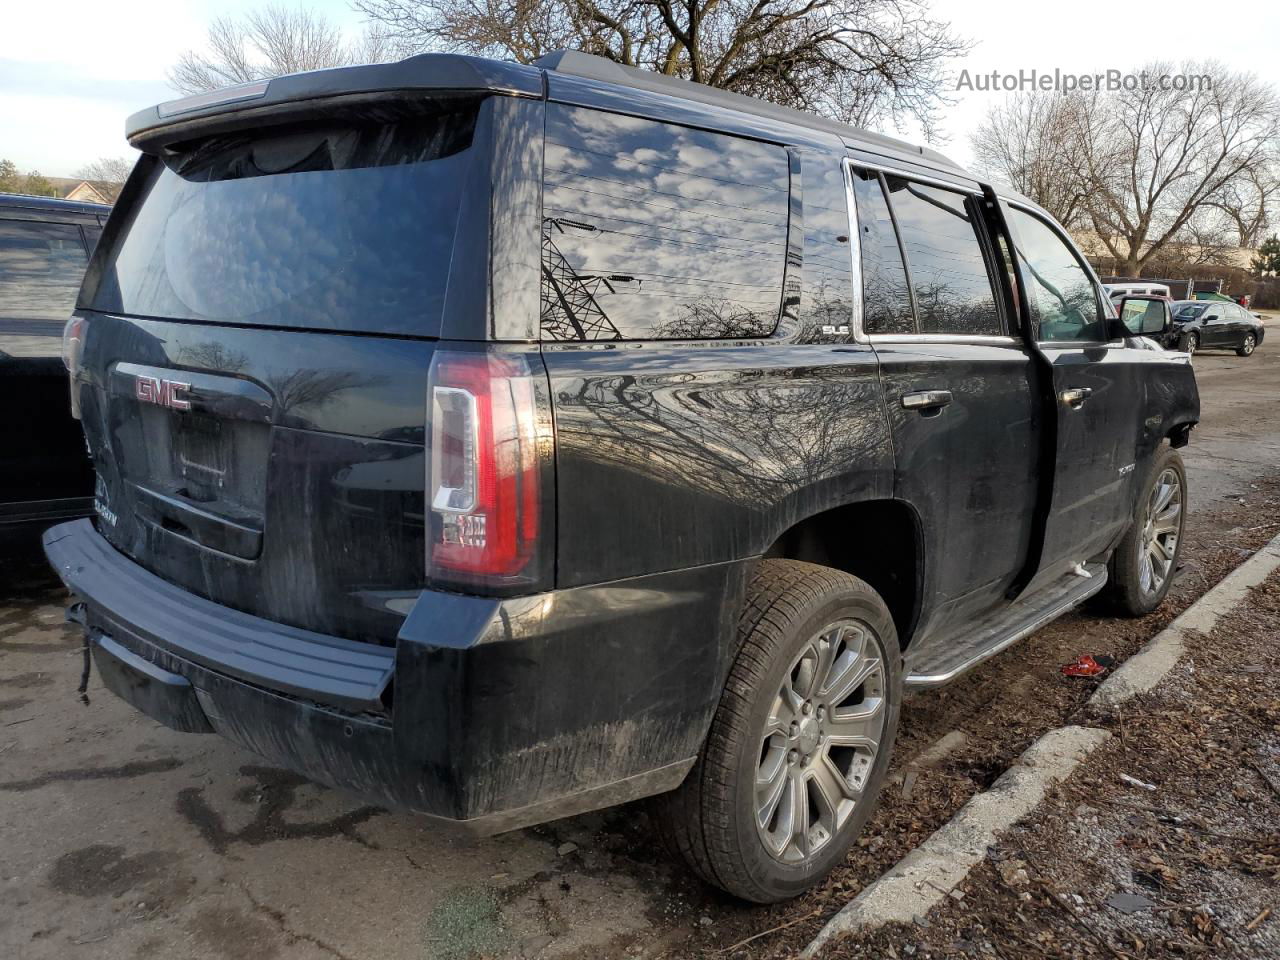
<point x="484" y="485"/>
<point x="72" y="350"/>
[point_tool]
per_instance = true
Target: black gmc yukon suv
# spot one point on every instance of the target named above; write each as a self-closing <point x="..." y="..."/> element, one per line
<point x="505" y="442"/>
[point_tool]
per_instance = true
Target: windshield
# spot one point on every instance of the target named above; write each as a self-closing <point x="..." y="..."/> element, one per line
<point x="345" y="226"/>
<point x="1189" y="311"/>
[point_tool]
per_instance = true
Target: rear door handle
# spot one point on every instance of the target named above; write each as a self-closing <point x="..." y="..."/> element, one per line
<point x="926" y="399"/>
<point x="1076" y="396"/>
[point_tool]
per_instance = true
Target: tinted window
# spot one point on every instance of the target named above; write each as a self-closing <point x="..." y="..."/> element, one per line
<point x="1062" y="294"/>
<point x="349" y="226"/>
<point x="652" y="230"/>
<point x="886" y="302"/>
<point x="1188" y="311"/>
<point x="41" y="266"/>
<point x="949" y="275"/>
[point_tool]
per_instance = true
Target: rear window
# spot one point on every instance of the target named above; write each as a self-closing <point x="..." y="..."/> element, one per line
<point x="657" y="231"/>
<point x="41" y="266"/>
<point x="346" y="226"/>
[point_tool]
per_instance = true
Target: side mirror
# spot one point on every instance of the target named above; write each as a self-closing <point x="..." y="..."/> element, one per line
<point x="1145" y="316"/>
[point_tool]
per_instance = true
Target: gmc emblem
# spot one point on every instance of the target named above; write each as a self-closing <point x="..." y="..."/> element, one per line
<point x="163" y="393"/>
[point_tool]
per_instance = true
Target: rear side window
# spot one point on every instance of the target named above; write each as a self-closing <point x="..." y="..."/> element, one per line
<point x="886" y="300"/>
<point x="41" y="266"/>
<point x="345" y="225"/>
<point x="949" y="277"/>
<point x="1060" y="289"/>
<point x="657" y="231"/>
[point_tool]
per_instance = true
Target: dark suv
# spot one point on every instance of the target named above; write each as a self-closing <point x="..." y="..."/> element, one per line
<point x="505" y="442"/>
<point x="45" y="471"/>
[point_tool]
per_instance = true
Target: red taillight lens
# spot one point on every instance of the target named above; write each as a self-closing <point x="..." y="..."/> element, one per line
<point x="484" y="488"/>
<point x="72" y="350"/>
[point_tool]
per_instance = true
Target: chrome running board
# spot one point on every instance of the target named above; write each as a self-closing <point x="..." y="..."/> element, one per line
<point x="1007" y="625"/>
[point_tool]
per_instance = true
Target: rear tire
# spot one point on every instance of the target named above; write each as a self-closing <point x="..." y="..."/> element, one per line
<point x="1248" y="346"/>
<point x="1141" y="570"/>
<point x="800" y="742"/>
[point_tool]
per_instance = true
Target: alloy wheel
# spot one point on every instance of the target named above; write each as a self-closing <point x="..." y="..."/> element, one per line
<point x="1249" y="343"/>
<point x="820" y="741"/>
<point x="1163" y="521"/>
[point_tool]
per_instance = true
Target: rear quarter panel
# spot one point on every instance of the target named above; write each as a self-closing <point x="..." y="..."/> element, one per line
<point x="680" y="454"/>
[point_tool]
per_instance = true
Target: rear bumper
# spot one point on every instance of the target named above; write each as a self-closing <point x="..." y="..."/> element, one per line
<point x="494" y="714"/>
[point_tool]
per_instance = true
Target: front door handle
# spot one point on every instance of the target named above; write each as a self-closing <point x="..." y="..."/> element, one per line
<point x="926" y="399"/>
<point x="1076" y="396"/>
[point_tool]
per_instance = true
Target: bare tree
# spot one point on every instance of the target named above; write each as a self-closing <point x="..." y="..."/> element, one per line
<point x="1035" y="142"/>
<point x="107" y="175"/>
<point x="1147" y="163"/>
<point x="1248" y="202"/>
<point x="271" y="42"/>
<point x="862" y="61"/>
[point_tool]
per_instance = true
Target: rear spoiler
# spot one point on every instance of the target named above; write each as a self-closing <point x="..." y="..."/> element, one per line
<point x="440" y="72"/>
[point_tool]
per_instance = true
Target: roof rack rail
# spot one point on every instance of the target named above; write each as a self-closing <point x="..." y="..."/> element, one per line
<point x="578" y="64"/>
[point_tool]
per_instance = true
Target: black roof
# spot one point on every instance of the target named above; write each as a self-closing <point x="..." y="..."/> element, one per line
<point x="52" y="204"/>
<point x="578" y="64"/>
<point x="437" y="71"/>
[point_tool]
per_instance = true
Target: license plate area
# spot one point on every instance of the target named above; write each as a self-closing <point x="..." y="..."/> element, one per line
<point x="195" y="468"/>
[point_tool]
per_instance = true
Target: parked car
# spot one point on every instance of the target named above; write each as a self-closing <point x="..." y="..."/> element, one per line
<point x="45" y="471"/>
<point x="1215" y="325"/>
<point x="556" y="436"/>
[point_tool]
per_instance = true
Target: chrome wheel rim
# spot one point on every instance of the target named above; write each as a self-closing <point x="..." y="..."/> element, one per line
<point x="1249" y="344"/>
<point x="1161" y="528"/>
<point x="820" y="741"/>
<point x="1192" y="342"/>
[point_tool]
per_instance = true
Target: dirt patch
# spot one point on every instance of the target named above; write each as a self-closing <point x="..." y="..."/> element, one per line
<point x="105" y="871"/>
<point x="25" y="681"/>
<point x="1184" y="866"/>
<point x="234" y="934"/>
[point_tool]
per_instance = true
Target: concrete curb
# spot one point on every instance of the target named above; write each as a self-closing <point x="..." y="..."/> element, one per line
<point x="927" y="874"/>
<point x="923" y="877"/>
<point x="1152" y="663"/>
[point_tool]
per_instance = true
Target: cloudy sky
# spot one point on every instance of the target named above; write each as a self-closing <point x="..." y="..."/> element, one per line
<point x="69" y="77"/>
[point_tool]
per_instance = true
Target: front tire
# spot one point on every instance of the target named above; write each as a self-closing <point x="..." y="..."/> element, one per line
<point x="1141" y="570"/>
<point x="800" y="742"/>
<point x="1193" y="343"/>
<point x="1248" y="346"/>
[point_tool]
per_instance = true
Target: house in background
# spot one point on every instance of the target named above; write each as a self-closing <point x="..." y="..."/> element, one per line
<point x="73" y="188"/>
<point x="86" y="191"/>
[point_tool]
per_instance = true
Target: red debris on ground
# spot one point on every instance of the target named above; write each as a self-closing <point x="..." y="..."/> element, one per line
<point x="1088" y="666"/>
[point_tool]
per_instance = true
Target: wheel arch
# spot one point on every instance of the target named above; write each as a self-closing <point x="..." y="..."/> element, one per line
<point x="880" y="541"/>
